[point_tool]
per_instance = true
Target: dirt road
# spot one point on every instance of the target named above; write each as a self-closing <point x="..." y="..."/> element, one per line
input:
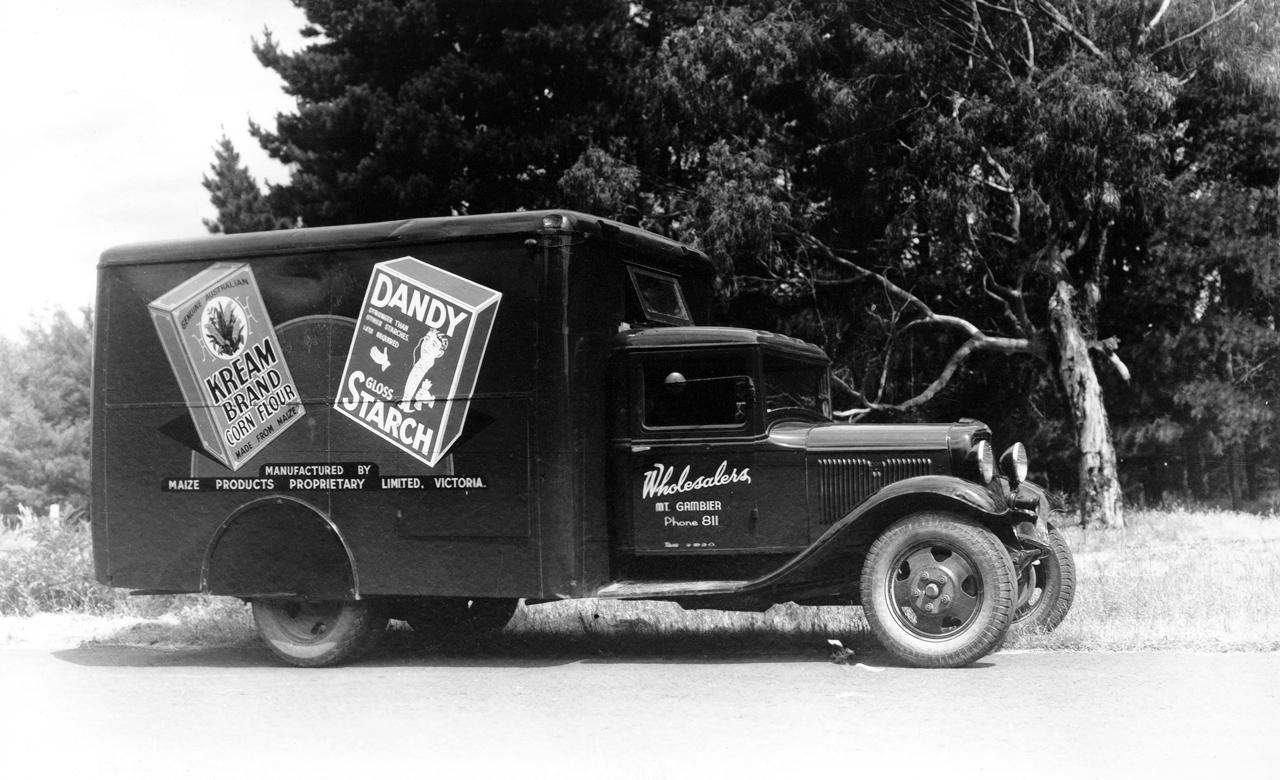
<point x="109" y="711"/>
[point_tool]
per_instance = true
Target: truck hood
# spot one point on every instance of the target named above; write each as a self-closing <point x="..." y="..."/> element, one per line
<point x="957" y="437"/>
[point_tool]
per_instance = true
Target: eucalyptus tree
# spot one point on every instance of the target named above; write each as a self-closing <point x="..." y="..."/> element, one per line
<point x="934" y="180"/>
<point x="240" y="203"/>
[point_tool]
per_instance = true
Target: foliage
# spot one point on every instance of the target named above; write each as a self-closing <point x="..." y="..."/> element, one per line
<point x="1210" y="353"/>
<point x="964" y="203"/>
<point x="996" y="162"/>
<point x="44" y="413"/>
<point x="50" y="569"/>
<point x="241" y="205"/>
<point x="46" y="565"/>
<point x="411" y="107"/>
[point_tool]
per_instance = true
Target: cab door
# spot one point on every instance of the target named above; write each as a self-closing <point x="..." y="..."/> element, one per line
<point x="689" y="464"/>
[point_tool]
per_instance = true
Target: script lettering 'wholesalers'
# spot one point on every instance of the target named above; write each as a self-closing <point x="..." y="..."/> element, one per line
<point x="660" y="480"/>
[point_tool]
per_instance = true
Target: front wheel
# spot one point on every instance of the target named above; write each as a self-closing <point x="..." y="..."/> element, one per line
<point x="317" y="633"/>
<point x="938" y="590"/>
<point x="1047" y="587"/>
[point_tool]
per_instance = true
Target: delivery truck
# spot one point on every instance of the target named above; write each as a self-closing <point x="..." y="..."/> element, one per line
<point x="433" y="419"/>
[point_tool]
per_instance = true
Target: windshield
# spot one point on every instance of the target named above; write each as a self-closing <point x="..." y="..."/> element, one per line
<point x="791" y="384"/>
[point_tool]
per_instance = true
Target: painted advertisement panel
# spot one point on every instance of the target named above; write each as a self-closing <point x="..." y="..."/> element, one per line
<point x="694" y="503"/>
<point x="419" y="343"/>
<point x="228" y="362"/>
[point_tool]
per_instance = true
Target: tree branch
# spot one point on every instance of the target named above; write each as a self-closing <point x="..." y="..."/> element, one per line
<point x="1150" y="26"/>
<point x="979" y="342"/>
<point x="976" y="340"/>
<point x="1015" y="208"/>
<point x="1215" y="19"/>
<point x="1015" y="306"/>
<point x="908" y="298"/>
<point x="1060" y="21"/>
<point x="1031" y="41"/>
<point x="1108" y="348"/>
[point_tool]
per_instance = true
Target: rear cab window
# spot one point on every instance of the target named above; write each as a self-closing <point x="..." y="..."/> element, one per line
<point x="692" y="390"/>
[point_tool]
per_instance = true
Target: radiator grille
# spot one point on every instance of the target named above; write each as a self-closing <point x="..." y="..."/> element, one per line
<point x="846" y="482"/>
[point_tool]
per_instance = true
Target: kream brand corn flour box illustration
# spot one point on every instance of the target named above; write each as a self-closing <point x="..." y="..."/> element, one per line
<point x="227" y="360"/>
<point x="416" y="354"/>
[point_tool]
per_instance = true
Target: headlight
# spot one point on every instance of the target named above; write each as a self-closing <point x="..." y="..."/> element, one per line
<point x="986" y="460"/>
<point x="1013" y="464"/>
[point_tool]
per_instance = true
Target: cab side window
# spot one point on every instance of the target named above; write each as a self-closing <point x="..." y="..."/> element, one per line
<point x="691" y="391"/>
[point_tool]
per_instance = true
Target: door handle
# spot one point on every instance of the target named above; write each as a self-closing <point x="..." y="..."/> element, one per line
<point x="639" y="447"/>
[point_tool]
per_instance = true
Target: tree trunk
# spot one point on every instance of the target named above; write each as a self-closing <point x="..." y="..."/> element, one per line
<point x="1100" y="498"/>
<point x="1250" y="474"/>
<point x="1193" y="460"/>
<point x="1233" y="477"/>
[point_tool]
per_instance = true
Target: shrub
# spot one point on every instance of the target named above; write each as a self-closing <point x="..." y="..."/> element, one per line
<point x="47" y="566"/>
<point x="44" y="412"/>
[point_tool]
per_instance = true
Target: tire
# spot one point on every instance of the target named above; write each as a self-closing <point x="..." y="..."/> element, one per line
<point x="938" y="590"/>
<point x="1047" y="587"/>
<point x="459" y="618"/>
<point x="317" y="633"/>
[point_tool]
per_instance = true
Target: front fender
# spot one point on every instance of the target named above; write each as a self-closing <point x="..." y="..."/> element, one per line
<point x="836" y="556"/>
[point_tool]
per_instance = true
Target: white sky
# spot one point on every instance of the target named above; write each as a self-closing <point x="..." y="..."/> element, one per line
<point x="112" y="109"/>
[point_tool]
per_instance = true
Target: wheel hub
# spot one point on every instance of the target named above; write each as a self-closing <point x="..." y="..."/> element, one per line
<point x="308" y="620"/>
<point x="933" y="591"/>
<point x="936" y="591"/>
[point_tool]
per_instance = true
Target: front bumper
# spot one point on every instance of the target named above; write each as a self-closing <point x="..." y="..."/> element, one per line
<point x="1032" y="502"/>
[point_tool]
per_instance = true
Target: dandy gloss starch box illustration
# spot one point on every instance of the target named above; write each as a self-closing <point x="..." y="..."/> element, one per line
<point x="224" y="352"/>
<point x="416" y="354"/>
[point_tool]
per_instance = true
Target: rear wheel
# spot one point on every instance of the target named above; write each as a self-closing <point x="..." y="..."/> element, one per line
<point x="938" y="590"/>
<point x="1047" y="587"/>
<point x="317" y="633"/>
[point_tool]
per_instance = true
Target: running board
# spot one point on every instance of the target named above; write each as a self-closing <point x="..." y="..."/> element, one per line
<point x="671" y="590"/>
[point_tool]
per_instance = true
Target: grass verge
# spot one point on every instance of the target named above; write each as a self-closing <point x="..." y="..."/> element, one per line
<point x="1184" y="580"/>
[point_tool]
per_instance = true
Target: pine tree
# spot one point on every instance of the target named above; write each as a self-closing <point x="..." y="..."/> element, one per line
<point x="409" y="108"/>
<point x="241" y="205"/>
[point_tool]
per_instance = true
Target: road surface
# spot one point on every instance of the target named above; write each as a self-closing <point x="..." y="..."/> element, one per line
<point x="232" y="713"/>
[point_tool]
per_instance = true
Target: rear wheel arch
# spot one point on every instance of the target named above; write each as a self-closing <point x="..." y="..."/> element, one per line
<point x="279" y="545"/>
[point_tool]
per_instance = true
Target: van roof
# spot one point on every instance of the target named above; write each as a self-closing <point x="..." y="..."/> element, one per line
<point x="420" y="230"/>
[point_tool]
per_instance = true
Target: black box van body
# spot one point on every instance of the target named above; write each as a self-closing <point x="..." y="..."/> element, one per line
<point x="471" y="410"/>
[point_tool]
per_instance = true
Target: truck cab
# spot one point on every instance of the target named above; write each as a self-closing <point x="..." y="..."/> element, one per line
<point x="432" y="419"/>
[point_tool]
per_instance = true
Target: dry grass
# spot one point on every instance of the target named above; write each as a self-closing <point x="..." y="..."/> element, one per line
<point x="1184" y="579"/>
